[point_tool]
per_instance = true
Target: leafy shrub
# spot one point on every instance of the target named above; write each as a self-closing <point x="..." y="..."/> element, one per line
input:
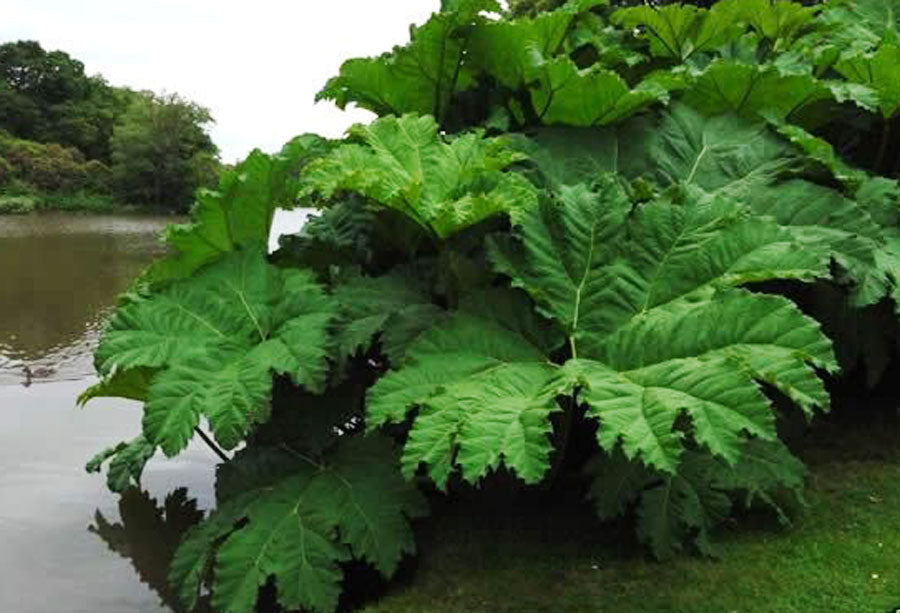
<point x="52" y="167"/>
<point x="591" y="224"/>
<point x="17" y="204"/>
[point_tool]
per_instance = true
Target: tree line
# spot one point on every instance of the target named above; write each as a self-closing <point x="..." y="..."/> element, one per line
<point x="69" y="137"/>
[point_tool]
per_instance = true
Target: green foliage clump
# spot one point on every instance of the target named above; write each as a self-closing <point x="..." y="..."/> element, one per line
<point x="73" y="140"/>
<point x="50" y="168"/>
<point x="45" y="96"/>
<point x="594" y="246"/>
<point x="17" y="204"/>
<point x="35" y="176"/>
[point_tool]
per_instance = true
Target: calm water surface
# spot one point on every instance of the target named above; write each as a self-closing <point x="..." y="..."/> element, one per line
<point x="66" y="544"/>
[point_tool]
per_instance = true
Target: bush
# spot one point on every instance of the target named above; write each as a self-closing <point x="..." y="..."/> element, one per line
<point x="47" y="167"/>
<point x="17" y="204"/>
<point x="53" y="177"/>
<point x="571" y="252"/>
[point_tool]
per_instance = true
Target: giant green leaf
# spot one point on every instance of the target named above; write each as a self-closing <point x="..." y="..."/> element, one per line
<point x="420" y="77"/>
<point x="716" y="152"/>
<point x="507" y="50"/>
<point x="297" y="530"/>
<point x="766" y="334"/>
<point x="746" y="89"/>
<point x="238" y="213"/>
<point x="485" y="392"/>
<point x="745" y="161"/>
<point x="880" y="71"/>
<point x="655" y="331"/>
<point x="861" y="24"/>
<point x="216" y="339"/>
<point x="566" y="258"/>
<point x="846" y="29"/>
<point x="563" y="94"/>
<point x="405" y="164"/>
<point x="780" y="21"/>
<point x="686" y="507"/>
<point x="677" y="31"/>
<point x="823" y="218"/>
<point x="395" y="306"/>
<point x="562" y="259"/>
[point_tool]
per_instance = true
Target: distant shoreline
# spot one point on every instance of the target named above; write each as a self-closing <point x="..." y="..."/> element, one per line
<point x="79" y="202"/>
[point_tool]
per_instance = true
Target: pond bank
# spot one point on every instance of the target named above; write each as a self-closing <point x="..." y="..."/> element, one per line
<point x="80" y="202"/>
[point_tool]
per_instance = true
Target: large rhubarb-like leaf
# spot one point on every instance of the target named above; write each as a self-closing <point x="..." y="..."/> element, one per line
<point x="506" y="50"/>
<point x="677" y="31"/>
<point x="299" y="528"/>
<point x="747" y="89"/>
<point x="420" y="77"/>
<point x="676" y="509"/>
<point x="880" y="71"/>
<point x="405" y="164"/>
<point x="395" y="306"/>
<point x="215" y="340"/>
<point x="238" y="213"/>
<point x="563" y="94"/>
<point x="485" y="392"/>
<point x="638" y="311"/>
<point x="746" y="162"/>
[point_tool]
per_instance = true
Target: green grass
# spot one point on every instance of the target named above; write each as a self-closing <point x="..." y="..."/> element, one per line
<point x="80" y="201"/>
<point x="21" y="202"/>
<point x="842" y="555"/>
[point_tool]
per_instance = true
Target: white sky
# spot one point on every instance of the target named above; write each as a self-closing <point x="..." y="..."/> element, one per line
<point x="256" y="64"/>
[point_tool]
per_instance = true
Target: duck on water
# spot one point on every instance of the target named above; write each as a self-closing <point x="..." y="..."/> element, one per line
<point x="39" y="372"/>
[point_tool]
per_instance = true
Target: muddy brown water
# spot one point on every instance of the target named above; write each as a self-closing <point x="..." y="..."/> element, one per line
<point x="66" y="544"/>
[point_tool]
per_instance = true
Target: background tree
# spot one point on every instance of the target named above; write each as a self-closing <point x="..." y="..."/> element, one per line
<point x="47" y="97"/>
<point x="161" y="151"/>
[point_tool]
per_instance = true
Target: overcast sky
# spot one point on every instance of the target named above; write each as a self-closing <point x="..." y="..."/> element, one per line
<point x="256" y="65"/>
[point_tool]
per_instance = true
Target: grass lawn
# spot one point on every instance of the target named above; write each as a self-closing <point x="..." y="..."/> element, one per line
<point x="842" y="555"/>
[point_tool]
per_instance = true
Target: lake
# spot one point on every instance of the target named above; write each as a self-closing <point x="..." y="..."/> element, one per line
<point x="67" y="545"/>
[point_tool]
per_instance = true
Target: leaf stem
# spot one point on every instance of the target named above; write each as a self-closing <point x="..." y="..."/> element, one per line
<point x="211" y="444"/>
<point x="301" y="456"/>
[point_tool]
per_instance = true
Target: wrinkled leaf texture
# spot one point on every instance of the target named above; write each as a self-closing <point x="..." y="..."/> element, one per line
<point x="215" y="341"/>
<point x="299" y="528"/>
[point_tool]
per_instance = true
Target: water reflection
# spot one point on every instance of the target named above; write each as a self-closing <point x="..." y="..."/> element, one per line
<point x="148" y="534"/>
